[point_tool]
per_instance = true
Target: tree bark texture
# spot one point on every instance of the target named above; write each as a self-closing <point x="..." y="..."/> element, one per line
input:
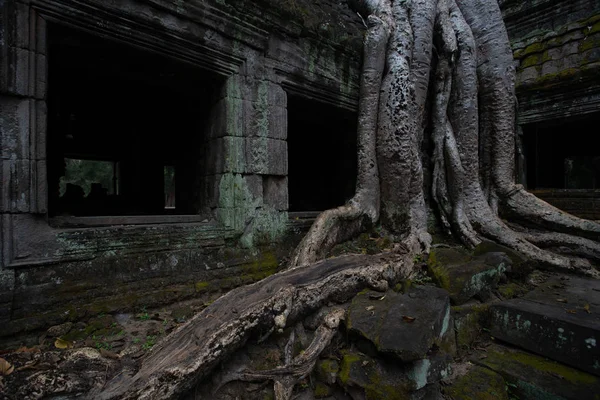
<point x="472" y="122"/>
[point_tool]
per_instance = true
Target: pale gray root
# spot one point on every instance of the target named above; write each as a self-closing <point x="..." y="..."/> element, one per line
<point x="422" y="17"/>
<point x="337" y="225"/>
<point x="496" y="73"/>
<point x="190" y="353"/>
<point x="401" y="177"/>
<point x="479" y="207"/>
<point x="298" y="368"/>
<point x="523" y="205"/>
<point x="448" y="174"/>
<point x="564" y="243"/>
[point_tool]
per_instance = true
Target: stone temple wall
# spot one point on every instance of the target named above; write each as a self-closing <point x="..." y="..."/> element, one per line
<point x="556" y="46"/>
<point x="557" y="50"/>
<point x="56" y="269"/>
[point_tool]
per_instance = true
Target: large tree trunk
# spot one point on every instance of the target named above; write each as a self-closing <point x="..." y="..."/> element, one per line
<point x="473" y="132"/>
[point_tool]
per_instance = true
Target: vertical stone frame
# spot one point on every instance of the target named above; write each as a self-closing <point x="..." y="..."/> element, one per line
<point x="23" y="77"/>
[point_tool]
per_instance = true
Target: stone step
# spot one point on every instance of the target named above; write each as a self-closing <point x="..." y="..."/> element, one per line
<point x="529" y="376"/>
<point x="560" y="320"/>
<point x="401" y="325"/>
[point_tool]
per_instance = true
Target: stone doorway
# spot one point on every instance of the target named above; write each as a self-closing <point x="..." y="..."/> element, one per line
<point x="322" y="154"/>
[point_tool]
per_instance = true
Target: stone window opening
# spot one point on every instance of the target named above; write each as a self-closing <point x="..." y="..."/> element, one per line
<point x="563" y="153"/>
<point x="142" y="117"/>
<point x="322" y="163"/>
<point x="563" y="163"/>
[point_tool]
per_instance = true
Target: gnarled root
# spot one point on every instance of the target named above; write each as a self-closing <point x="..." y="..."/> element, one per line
<point x="342" y="223"/>
<point x="476" y="90"/>
<point x="296" y="369"/>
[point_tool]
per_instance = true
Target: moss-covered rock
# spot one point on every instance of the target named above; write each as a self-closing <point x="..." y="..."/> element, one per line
<point x="466" y="276"/>
<point x="468" y="323"/>
<point x="479" y="383"/>
<point x="534" y="377"/>
<point x="379" y="381"/>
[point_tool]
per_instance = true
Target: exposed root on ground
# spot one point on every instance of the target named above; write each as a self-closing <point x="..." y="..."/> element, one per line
<point x="298" y="368"/>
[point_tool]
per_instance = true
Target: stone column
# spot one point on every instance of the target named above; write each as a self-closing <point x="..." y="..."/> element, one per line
<point x="22" y="131"/>
<point x="248" y="152"/>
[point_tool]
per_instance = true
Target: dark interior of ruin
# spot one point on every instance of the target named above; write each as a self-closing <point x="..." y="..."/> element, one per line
<point x="125" y="128"/>
<point x="563" y="154"/>
<point x="322" y="155"/>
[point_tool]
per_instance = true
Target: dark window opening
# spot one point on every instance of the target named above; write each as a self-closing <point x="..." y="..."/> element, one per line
<point x="563" y="154"/>
<point x="122" y="124"/>
<point x="321" y="155"/>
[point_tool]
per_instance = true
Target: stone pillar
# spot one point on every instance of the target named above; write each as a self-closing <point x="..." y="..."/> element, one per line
<point x="248" y="152"/>
<point x="22" y="130"/>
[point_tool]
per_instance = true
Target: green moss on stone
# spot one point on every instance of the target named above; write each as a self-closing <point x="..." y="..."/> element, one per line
<point x="201" y="286"/>
<point x="322" y="390"/>
<point x="505" y="359"/>
<point x="478" y="384"/>
<point x="531" y="60"/>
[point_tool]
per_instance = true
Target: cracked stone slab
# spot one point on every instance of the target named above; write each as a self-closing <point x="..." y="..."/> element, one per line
<point x="401" y="325"/>
<point x="533" y="376"/>
<point x="560" y="320"/>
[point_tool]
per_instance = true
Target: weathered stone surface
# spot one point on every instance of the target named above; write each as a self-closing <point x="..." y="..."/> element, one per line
<point x="266" y="156"/>
<point x="14" y="128"/>
<point x="465" y="276"/>
<point x="468" y="322"/>
<point x="478" y="383"/>
<point x="275" y="192"/>
<point x="380" y="379"/>
<point x="535" y="377"/>
<point x="559" y="320"/>
<point x="402" y="325"/>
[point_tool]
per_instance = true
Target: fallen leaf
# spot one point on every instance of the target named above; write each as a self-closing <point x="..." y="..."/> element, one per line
<point x="5" y="367"/>
<point x="62" y="344"/>
<point x="562" y="300"/>
<point x="369" y="308"/>
<point x="408" y="319"/>
<point x="572" y="311"/>
<point x="587" y="308"/>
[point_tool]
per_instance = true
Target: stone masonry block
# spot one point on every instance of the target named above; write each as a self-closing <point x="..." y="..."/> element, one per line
<point x="251" y="89"/>
<point x="226" y="155"/>
<point x="16" y="186"/>
<point x="14" y="128"/>
<point x="275" y="191"/>
<point x="227" y="118"/>
<point x="265" y="120"/>
<point x="552" y="67"/>
<point x="527" y="75"/>
<point x="266" y="156"/>
<point x="22" y="26"/>
<point x="254" y="184"/>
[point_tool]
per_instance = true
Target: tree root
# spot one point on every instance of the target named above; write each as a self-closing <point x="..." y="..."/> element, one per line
<point x="190" y="353"/>
<point x="334" y="226"/>
<point x="294" y="370"/>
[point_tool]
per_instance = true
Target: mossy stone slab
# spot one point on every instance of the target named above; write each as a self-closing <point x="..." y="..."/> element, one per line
<point x="534" y="377"/>
<point x="404" y="326"/>
<point x="479" y="383"/>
